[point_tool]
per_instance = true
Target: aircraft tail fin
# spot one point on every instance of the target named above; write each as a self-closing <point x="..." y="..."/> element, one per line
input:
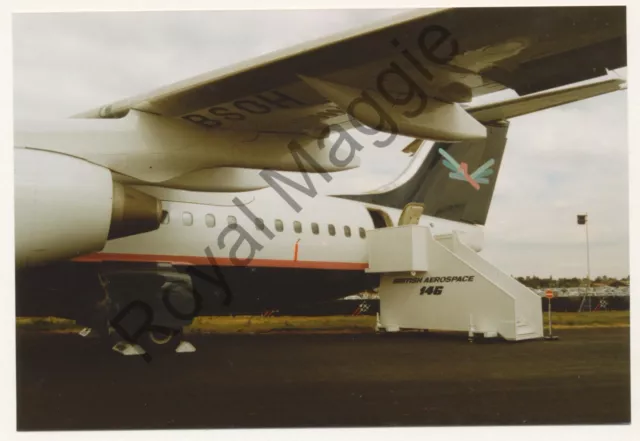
<point x="454" y="181"/>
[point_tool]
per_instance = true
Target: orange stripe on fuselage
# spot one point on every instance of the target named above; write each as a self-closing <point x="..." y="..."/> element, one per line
<point x="219" y="261"/>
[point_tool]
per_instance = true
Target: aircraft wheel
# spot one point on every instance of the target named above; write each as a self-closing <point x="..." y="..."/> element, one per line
<point x="161" y="340"/>
<point x="161" y="337"/>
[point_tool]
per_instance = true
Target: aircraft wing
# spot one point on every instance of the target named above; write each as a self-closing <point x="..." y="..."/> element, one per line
<point x="407" y="76"/>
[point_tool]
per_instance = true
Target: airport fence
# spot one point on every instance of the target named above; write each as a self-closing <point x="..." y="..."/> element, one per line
<point x="372" y="307"/>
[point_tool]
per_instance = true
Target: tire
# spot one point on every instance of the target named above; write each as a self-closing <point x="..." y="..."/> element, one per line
<point x="161" y="337"/>
<point x="161" y="341"/>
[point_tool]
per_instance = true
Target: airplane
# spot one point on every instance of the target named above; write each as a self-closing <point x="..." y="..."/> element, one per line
<point x="139" y="215"/>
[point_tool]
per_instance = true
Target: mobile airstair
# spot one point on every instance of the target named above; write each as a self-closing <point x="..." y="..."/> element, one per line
<point x="440" y="283"/>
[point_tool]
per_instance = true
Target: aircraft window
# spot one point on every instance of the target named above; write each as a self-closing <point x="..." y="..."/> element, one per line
<point x="209" y="220"/>
<point x="347" y="231"/>
<point x="232" y="221"/>
<point x="363" y="233"/>
<point x="332" y="230"/>
<point x="165" y="217"/>
<point x="259" y="224"/>
<point x="187" y="218"/>
<point x="279" y="225"/>
<point x="297" y="227"/>
<point x="314" y="228"/>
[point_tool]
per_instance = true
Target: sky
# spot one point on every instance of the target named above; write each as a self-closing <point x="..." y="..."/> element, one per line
<point x="558" y="162"/>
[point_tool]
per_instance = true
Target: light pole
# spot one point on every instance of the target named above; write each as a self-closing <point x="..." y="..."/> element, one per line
<point x="582" y="220"/>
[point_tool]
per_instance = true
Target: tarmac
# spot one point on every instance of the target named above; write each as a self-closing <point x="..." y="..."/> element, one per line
<point x="284" y="380"/>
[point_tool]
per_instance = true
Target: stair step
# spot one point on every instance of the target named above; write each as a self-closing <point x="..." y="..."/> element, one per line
<point x="515" y="313"/>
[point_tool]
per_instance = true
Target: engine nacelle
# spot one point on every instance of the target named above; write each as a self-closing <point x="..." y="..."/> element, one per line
<point x="65" y="207"/>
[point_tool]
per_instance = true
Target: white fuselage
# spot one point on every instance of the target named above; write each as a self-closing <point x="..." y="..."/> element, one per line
<point x="198" y="221"/>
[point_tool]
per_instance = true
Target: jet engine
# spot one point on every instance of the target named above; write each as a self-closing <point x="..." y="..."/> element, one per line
<point x="65" y="207"/>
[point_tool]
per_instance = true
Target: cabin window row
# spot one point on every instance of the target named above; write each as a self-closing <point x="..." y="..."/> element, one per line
<point x="210" y="222"/>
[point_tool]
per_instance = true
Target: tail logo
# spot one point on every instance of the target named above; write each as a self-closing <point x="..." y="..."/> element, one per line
<point x="461" y="171"/>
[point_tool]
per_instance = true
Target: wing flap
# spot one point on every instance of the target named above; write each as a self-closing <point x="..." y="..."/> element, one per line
<point x="438" y="120"/>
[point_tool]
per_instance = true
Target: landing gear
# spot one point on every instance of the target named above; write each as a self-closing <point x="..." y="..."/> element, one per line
<point x="155" y="343"/>
<point x="161" y="337"/>
<point x="160" y="341"/>
<point x="147" y="310"/>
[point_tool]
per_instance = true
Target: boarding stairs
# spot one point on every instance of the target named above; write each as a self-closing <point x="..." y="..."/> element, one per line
<point x="440" y="283"/>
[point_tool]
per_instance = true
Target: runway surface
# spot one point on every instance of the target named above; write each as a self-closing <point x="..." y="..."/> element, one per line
<point x="325" y="380"/>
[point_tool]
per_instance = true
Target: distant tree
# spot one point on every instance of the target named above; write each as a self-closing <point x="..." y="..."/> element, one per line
<point x="574" y="282"/>
<point x="535" y="282"/>
<point x="527" y="281"/>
